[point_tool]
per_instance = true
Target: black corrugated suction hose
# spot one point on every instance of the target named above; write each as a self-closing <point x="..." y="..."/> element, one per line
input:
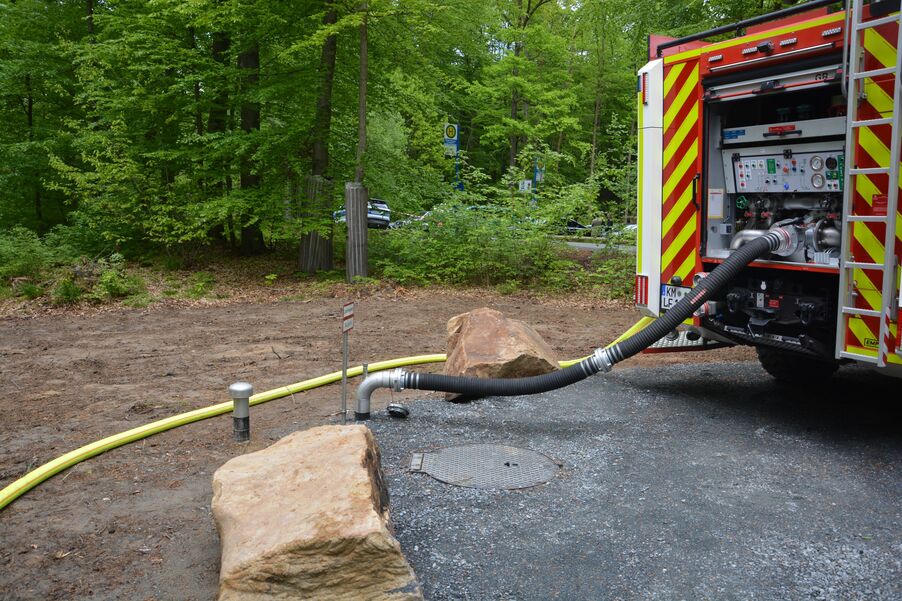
<point x="684" y="309"/>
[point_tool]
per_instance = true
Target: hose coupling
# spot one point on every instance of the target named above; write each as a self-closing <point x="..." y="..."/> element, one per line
<point x="397" y="379"/>
<point x="602" y="361"/>
<point x="789" y="240"/>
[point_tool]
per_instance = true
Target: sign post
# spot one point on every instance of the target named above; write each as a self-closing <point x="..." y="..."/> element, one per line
<point x="347" y="324"/>
<point x="451" y="142"/>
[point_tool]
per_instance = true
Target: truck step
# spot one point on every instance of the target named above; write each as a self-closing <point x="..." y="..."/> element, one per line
<point x="682" y="344"/>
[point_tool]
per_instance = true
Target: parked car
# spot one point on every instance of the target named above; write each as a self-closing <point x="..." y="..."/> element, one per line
<point x="411" y="220"/>
<point x="575" y="228"/>
<point x="378" y="214"/>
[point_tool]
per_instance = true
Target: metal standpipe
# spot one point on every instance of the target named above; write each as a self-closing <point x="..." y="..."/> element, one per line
<point x="241" y="393"/>
<point x="390" y="379"/>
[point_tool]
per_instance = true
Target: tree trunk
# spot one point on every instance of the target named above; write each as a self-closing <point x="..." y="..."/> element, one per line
<point x="198" y="114"/>
<point x="89" y="18"/>
<point x="29" y="117"/>
<point x="594" y="136"/>
<point x="514" y="138"/>
<point x="361" y="101"/>
<point x="356" y="195"/>
<point x="316" y="249"/>
<point x="217" y="122"/>
<point x="356" y="256"/>
<point x="599" y="89"/>
<point x="249" y="64"/>
<point x="219" y="108"/>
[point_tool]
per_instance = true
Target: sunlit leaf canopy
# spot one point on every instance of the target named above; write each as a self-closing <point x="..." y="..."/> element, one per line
<point x="125" y="117"/>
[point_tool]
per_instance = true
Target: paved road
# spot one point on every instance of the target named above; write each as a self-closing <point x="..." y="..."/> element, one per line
<point x="683" y="482"/>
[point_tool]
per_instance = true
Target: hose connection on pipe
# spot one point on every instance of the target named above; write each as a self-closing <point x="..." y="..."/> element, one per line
<point x="783" y="238"/>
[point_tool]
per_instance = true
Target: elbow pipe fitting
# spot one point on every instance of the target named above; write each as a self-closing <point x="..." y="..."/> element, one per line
<point x="745" y="236"/>
<point x="393" y="379"/>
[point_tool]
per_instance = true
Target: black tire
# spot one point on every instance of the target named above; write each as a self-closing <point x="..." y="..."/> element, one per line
<point x="794" y="368"/>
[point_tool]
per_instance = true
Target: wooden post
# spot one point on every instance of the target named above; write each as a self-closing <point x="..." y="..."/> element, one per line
<point x="356" y="198"/>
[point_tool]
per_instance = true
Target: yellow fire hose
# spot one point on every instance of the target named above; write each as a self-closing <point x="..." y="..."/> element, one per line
<point x="64" y="462"/>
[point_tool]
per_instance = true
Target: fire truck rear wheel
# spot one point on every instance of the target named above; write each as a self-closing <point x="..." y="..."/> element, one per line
<point x="795" y="368"/>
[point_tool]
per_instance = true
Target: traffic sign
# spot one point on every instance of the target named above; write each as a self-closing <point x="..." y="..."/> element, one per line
<point x="347" y="317"/>
<point x="451" y="132"/>
<point x="451" y="139"/>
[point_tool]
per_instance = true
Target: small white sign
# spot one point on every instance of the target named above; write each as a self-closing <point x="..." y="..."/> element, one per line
<point x="451" y="148"/>
<point x="347" y="317"/>
<point x="525" y="185"/>
<point x="715" y="203"/>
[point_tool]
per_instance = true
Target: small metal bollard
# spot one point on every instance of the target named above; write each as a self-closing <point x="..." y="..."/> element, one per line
<point x="241" y="411"/>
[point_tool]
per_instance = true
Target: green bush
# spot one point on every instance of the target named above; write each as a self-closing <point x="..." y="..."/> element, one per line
<point x="22" y="254"/>
<point x="30" y="290"/>
<point x="612" y="275"/>
<point x="66" y="292"/>
<point x="115" y="284"/>
<point x="469" y="245"/>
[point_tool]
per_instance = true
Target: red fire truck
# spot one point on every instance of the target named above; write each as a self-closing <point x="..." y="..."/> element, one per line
<point x="788" y="120"/>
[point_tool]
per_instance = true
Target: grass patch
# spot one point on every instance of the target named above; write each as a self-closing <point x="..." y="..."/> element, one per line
<point x="200" y="284"/>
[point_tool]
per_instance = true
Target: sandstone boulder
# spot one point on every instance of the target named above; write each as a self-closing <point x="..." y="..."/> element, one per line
<point x="485" y="344"/>
<point x="307" y="518"/>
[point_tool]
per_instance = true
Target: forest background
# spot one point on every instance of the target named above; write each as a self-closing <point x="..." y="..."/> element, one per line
<point x="141" y="128"/>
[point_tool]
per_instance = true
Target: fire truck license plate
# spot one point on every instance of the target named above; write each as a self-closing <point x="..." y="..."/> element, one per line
<point x="670" y="295"/>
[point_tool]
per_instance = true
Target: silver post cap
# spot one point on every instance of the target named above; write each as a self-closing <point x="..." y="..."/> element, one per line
<point x="241" y="390"/>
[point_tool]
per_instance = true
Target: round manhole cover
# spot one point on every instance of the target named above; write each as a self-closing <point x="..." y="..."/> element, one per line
<point x="486" y="466"/>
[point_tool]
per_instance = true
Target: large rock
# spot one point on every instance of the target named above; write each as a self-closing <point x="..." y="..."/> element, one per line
<point x="485" y="344"/>
<point x="307" y="518"/>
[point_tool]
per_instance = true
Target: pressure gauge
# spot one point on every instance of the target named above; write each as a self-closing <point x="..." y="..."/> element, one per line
<point x="831" y="163"/>
<point x="817" y="163"/>
<point x="817" y="180"/>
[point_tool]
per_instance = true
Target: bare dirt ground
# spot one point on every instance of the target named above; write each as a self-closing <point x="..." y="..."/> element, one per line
<point x="135" y="523"/>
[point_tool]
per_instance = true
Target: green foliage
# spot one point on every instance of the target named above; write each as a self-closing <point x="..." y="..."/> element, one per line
<point x="611" y="275"/>
<point x="461" y="245"/>
<point x="113" y="284"/>
<point x="22" y="254"/>
<point x="200" y="284"/>
<point x="126" y="128"/>
<point x="66" y="292"/>
<point x="138" y="301"/>
<point x="30" y="290"/>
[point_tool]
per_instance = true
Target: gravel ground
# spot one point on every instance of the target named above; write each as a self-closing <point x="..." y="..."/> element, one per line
<point x="681" y="482"/>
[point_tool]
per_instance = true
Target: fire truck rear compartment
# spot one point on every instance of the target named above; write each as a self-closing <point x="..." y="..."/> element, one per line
<point x="775" y="155"/>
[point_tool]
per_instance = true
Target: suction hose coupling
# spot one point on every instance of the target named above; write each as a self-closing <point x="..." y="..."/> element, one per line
<point x="601" y="361"/>
<point x="394" y="379"/>
<point x="790" y="240"/>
